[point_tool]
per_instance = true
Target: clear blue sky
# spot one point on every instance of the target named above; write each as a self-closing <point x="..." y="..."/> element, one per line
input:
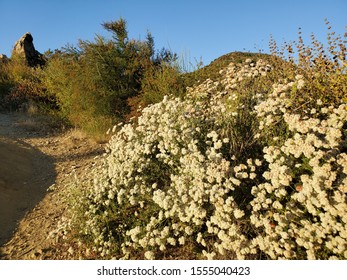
<point x="193" y="29"/>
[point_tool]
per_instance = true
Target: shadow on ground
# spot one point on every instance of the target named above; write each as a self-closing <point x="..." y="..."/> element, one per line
<point x="25" y="175"/>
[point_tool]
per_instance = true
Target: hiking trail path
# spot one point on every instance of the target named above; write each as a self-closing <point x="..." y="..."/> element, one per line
<point x="33" y="157"/>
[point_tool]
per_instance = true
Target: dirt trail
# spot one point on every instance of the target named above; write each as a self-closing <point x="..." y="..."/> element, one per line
<point x="25" y="175"/>
<point x="32" y="158"/>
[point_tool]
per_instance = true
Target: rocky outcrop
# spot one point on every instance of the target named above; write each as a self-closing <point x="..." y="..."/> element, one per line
<point x="3" y="58"/>
<point x="24" y="47"/>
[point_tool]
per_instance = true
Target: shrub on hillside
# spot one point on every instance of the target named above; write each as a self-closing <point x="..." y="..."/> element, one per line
<point x="94" y="80"/>
<point x="245" y="166"/>
<point x="22" y="85"/>
<point x="5" y="83"/>
<point x="323" y="67"/>
<point x="160" y="81"/>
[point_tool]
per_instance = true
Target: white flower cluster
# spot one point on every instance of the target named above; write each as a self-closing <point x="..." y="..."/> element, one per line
<point x="230" y="78"/>
<point x="272" y="107"/>
<point x="169" y="180"/>
<point x="169" y="168"/>
<point x="302" y="207"/>
<point x="234" y="74"/>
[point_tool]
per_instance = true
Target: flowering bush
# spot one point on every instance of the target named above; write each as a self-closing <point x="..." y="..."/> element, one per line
<point x="226" y="172"/>
<point x="164" y="181"/>
<point x="301" y="207"/>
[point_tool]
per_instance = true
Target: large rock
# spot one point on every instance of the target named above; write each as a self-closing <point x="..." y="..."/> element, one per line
<point x="24" y="47"/>
<point x="3" y="58"/>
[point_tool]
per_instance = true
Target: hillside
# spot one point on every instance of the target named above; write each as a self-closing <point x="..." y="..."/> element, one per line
<point x="251" y="165"/>
<point x="211" y="71"/>
<point x="248" y="162"/>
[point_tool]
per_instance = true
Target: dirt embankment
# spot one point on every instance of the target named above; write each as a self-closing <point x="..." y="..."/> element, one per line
<point x="32" y="158"/>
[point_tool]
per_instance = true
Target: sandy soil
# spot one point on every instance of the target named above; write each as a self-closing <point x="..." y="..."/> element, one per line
<point x="33" y="157"/>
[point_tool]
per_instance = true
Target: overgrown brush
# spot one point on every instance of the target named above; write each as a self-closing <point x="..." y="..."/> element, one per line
<point x="5" y="83"/>
<point x="94" y="81"/>
<point x="250" y="165"/>
<point x="22" y="84"/>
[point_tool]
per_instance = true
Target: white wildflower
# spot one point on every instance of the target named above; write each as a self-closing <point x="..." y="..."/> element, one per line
<point x="149" y="255"/>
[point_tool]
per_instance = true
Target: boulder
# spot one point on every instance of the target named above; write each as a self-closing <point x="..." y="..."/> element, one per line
<point x="24" y="47"/>
<point x="3" y="58"/>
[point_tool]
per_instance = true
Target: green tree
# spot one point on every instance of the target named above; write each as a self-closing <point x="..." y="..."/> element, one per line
<point x="94" y="80"/>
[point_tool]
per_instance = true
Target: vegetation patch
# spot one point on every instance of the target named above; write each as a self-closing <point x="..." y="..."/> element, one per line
<point x="250" y="165"/>
<point x="243" y="159"/>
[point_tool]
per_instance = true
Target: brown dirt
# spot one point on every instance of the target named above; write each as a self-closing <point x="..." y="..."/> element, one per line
<point x="33" y="157"/>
